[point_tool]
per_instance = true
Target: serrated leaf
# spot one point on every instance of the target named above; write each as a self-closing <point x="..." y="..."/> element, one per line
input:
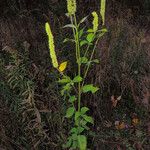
<point x="72" y="99"/>
<point x="88" y="119"/>
<point x="62" y="66"/>
<point x="84" y="110"/>
<point x="77" y="79"/>
<point x="70" y="112"/>
<point x="82" y="141"/>
<point x="89" y="88"/>
<point x="90" y="37"/>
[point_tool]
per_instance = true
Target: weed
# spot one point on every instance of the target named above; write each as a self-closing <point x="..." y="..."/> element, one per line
<point x="85" y="45"/>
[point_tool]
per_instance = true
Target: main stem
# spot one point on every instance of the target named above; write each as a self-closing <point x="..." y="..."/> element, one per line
<point x="79" y="64"/>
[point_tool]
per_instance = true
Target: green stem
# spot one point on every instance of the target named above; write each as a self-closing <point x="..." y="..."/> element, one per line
<point x="74" y="34"/>
<point x="79" y="64"/>
<point x="88" y="66"/>
<point x="86" y="50"/>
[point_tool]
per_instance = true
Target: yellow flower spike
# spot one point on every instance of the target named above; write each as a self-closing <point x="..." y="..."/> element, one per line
<point x="62" y="66"/>
<point x="71" y="7"/>
<point x="95" y="21"/>
<point x="102" y="11"/>
<point x="51" y="45"/>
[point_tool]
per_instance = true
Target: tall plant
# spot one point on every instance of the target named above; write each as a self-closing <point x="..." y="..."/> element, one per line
<point x="85" y="40"/>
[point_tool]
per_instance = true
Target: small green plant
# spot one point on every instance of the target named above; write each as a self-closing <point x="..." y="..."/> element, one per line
<point x="85" y="40"/>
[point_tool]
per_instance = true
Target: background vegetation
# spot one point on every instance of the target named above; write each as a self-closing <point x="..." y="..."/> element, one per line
<point x="31" y="107"/>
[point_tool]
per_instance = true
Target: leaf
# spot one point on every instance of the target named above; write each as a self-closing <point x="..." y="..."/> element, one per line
<point x="73" y="130"/>
<point x="83" y="60"/>
<point x="80" y="130"/>
<point x="66" y="88"/>
<point x="90" y="30"/>
<point x="72" y="99"/>
<point x="65" y="80"/>
<point x="100" y="34"/>
<point x="84" y="110"/>
<point x="88" y="119"/>
<point x="82" y="141"/>
<point x="82" y="20"/>
<point x="77" y="79"/>
<point x="89" y="88"/>
<point x="95" y="61"/>
<point x="70" y="112"/>
<point x="83" y="42"/>
<point x="74" y="145"/>
<point x="102" y="11"/>
<point x="77" y="115"/>
<point x="74" y="137"/>
<point x="90" y="37"/>
<point x="62" y="66"/>
<point x="69" y="26"/>
<point x="67" y="40"/>
<point x="81" y="33"/>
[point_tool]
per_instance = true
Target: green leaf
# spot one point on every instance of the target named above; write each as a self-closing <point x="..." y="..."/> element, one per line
<point x="81" y="33"/>
<point x="102" y="32"/>
<point x="72" y="99"/>
<point x="80" y="130"/>
<point x="83" y="124"/>
<point x="90" y="30"/>
<point x="83" y="60"/>
<point x="77" y="79"/>
<point x="77" y="115"/>
<point x="89" y="88"/>
<point x="73" y="130"/>
<point x="88" y="119"/>
<point x="90" y="37"/>
<point x="95" y="61"/>
<point x="68" y="40"/>
<point x="66" y="88"/>
<point x="69" y="26"/>
<point x="83" y="42"/>
<point x="74" y="145"/>
<point x="64" y="80"/>
<point x="70" y="112"/>
<point x="84" y="110"/>
<point x="74" y="136"/>
<point x="82" y="141"/>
